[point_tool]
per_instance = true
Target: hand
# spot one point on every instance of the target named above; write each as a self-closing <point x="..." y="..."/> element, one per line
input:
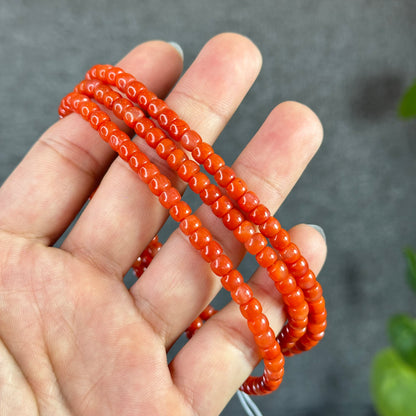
<point x="74" y="340"/>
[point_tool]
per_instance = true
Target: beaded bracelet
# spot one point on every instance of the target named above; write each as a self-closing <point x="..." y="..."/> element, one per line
<point x="239" y="208"/>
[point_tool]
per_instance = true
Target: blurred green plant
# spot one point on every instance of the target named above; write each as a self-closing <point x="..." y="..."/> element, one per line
<point x="407" y="106"/>
<point x="393" y="372"/>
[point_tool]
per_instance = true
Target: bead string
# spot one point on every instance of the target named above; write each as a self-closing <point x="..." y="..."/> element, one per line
<point x="251" y="224"/>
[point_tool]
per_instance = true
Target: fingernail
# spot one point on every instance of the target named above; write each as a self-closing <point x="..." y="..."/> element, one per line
<point x="178" y="48"/>
<point x="319" y="229"/>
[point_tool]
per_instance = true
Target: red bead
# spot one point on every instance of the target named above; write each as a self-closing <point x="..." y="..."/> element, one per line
<point x="275" y="364"/>
<point x="259" y="324"/>
<point x="97" y="118"/>
<point x="260" y="214"/>
<point x="180" y="210"/>
<point x="144" y="98"/>
<point x="244" y="231"/>
<point x="207" y="313"/>
<point x="112" y="74"/>
<point x="122" y="80"/>
<point x="99" y="92"/>
<point x="290" y="253"/>
<point x="221" y="265"/>
<point x="187" y="169"/>
<point x="166" y="117"/>
<point x="177" y="128"/>
<point x="143" y="126"/>
<point x="133" y="89"/>
<point x="169" y="197"/>
<point x="255" y="243"/>
<point x="190" y="140"/>
<point x="221" y="206"/>
<point x="272" y="352"/>
<point x="299" y="314"/>
<point x="77" y="100"/>
<point x="199" y="182"/>
<point x="307" y="281"/>
<point x="132" y="115"/>
<point x="200" y="238"/>
<point x="87" y="108"/>
<point x="223" y="176"/>
<point x="317" y="306"/>
<point x="242" y="294"/>
<point x="106" y="129"/>
<point x="127" y="149"/>
<point x="213" y="163"/>
<point x="120" y="106"/>
<point x="137" y="160"/>
<point x="316" y="328"/>
<point x="232" y="280"/>
<point x="318" y="318"/>
<point x="251" y="309"/>
<point x="286" y="286"/>
<point x="165" y="147"/>
<point x="265" y="339"/>
<point x="155" y="107"/>
<point x="266" y="257"/>
<point x="211" y="251"/>
<point x="314" y="293"/>
<point x="281" y="240"/>
<point x="202" y="151"/>
<point x="248" y="201"/>
<point x="270" y="228"/>
<point x="190" y="224"/>
<point x="232" y="219"/>
<point x="148" y="171"/>
<point x="117" y="137"/>
<point x="110" y="97"/>
<point x="294" y="299"/>
<point x="299" y="268"/>
<point x="278" y="271"/>
<point x="154" y="136"/>
<point x="210" y="194"/>
<point x="159" y="183"/>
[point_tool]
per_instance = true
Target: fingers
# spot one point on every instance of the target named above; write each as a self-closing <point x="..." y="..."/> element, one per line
<point x="221" y="355"/>
<point x="123" y="216"/>
<point x="270" y="164"/>
<point x="49" y="187"/>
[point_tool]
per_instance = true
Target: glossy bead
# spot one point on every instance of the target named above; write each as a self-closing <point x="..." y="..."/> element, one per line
<point x="275" y="364"/>
<point x="255" y="243"/>
<point x="294" y="299"/>
<point x="251" y="309"/>
<point x="286" y="286"/>
<point x="177" y="128"/>
<point x="180" y="210"/>
<point x="318" y="318"/>
<point x="224" y="175"/>
<point x="137" y="160"/>
<point x="278" y="271"/>
<point x="317" y="306"/>
<point x="120" y="106"/>
<point x="221" y="265"/>
<point x="202" y="151"/>
<point x="159" y="183"/>
<point x="77" y="100"/>
<point x="233" y="218"/>
<point x="314" y="293"/>
<point x="232" y="280"/>
<point x="190" y="224"/>
<point x="290" y="254"/>
<point x="207" y="313"/>
<point x="210" y="194"/>
<point x="144" y="98"/>
<point x="87" y="108"/>
<point x="169" y="197"/>
<point x="213" y="163"/>
<point x="259" y="324"/>
<point x="221" y="206"/>
<point x="248" y="201"/>
<point x="112" y="74"/>
<point x="154" y="136"/>
<point x="166" y="117"/>
<point x="265" y="339"/>
<point x="244" y="231"/>
<point x="127" y="149"/>
<point x="299" y="268"/>
<point x="106" y="129"/>
<point x="300" y="312"/>
<point x="117" y="137"/>
<point x="155" y="107"/>
<point x="236" y="188"/>
<point x="316" y="328"/>
<point x="200" y="238"/>
<point x="242" y="294"/>
<point x="198" y="182"/>
<point x="165" y="147"/>
<point x="122" y="80"/>
<point x="187" y="169"/>
<point x="190" y="140"/>
<point x="132" y="115"/>
<point x="143" y="126"/>
<point x="281" y="240"/>
<point x="266" y="257"/>
<point x="211" y="251"/>
<point x="148" y="171"/>
<point x="99" y="92"/>
<point x="307" y="281"/>
<point x="133" y="89"/>
<point x="110" y="97"/>
<point x="260" y="214"/>
<point x="97" y="118"/>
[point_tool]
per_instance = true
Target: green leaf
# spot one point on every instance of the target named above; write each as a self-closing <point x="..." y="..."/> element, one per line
<point x="407" y="107"/>
<point x="411" y="267"/>
<point x="402" y="332"/>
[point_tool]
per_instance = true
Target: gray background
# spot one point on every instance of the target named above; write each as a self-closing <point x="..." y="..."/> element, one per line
<point x="348" y="60"/>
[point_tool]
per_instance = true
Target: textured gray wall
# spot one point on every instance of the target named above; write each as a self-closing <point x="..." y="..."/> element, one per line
<point x="348" y="60"/>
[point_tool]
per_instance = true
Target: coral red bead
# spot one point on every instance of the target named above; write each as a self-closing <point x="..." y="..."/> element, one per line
<point x="221" y="265"/>
<point x="112" y="74"/>
<point x="232" y="280"/>
<point x="281" y="240"/>
<point x="166" y="117"/>
<point x="190" y="140"/>
<point x="110" y="98"/>
<point x="148" y="171"/>
<point x="200" y="238"/>
<point x="318" y="318"/>
<point x="300" y="312"/>
<point x="265" y="339"/>
<point x="154" y="136"/>
<point x="87" y="108"/>
<point x="272" y="353"/>
<point x="198" y="182"/>
<point x="294" y="299"/>
<point x="316" y="328"/>
<point x="99" y="92"/>
<point x="255" y="243"/>
<point x="307" y="281"/>
<point x="290" y="254"/>
<point x="248" y="201"/>
<point x="278" y="271"/>
<point x="259" y="324"/>
<point x="97" y="118"/>
<point x="251" y="309"/>
<point x="122" y="80"/>
<point x="187" y="169"/>
<point x="176" y="158"/>
<point x="244" y="231"/>
<point x="260" y="214"/>
<point x="144" y="98"/>
<point x="132" y="115"/>
<point x="202" y="151"/>
<point x="127" y="149"/>
<point x="180" y="210"/>
<point x="177" y="128"/>
<point x="224" y="175"/>
<point x="286" y="286"/>
<point x="106" y="129"/>
<point x="169" y="197"/>
<point x="120" y="106"/>
<point x="314" y="293"/>
<point x="317" y="306"/>
<point x="155" y="107"/>
<point x="159" y="183"/>
<point x="275" y="364"/>
<point x="190" y="224"/>
<point x="213" y="163"/>
<point x="137" y="160"/>
<point x="143" y="126"/>
<point x="236" y="188"/>
<point x="242" y="294"/>
<point x="210" y="194"/>
<point x="117" y="137"/>
<point x="266" y="257"/>
<point x="211" y="251"/>
<point x="165" y="147"/>
<point x="299" y="268"/>
<point x="233" y="218"/>
<point x="221" y="206"/>
<point x="133" y="89"/>
<point x="207" y="313"/>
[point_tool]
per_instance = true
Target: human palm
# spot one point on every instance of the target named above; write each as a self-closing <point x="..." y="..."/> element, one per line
<point x="74" y="339"/>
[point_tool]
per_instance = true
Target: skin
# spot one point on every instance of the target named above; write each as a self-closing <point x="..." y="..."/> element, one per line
<point x="73" y="339"/>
